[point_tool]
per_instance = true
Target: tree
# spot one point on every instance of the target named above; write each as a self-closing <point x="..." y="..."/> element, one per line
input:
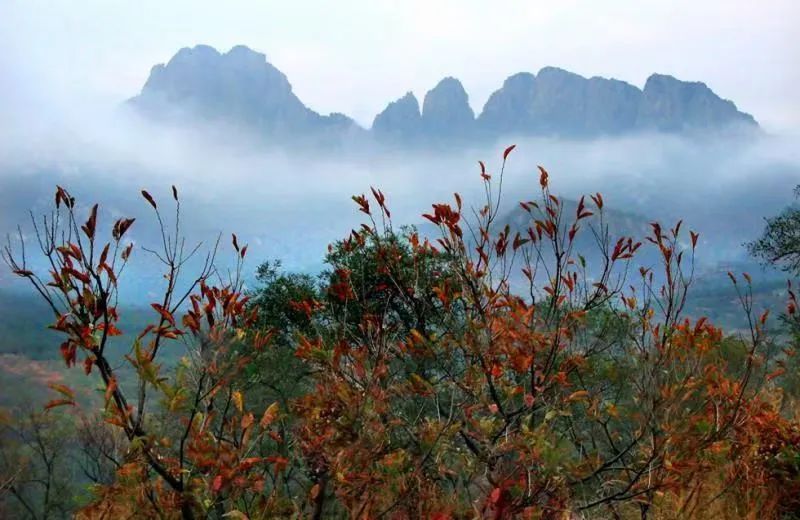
<point x="780" y="242"/>
<point x="33" y="461"/>
<point x="526" y="406"/>
<point x="276" y="374"/>
<point x="193" y="444"/>
<point x="779" y="245"/>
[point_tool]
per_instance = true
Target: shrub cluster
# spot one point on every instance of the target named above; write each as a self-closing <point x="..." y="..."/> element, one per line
<point x="483" y="372"/>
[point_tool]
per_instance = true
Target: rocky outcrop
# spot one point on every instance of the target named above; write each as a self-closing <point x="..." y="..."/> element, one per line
<point x="671" y="105"/>
<point x="446" y="114"/>
<point x="566" y="104"/>
<point x="508" y="110"/>
<point x="612" y="106"/>
<point x="562" y="104"/>
<point x="400" y="121"/>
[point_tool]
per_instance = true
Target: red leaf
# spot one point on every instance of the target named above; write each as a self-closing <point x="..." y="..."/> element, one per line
<point x="508" y="151"/>
<point x="127" y="252"/>
<point x="598" y="200"/>
<point x="269" y="415"/>
<point x="59" y="402"/>
<point x="103" y="255"/>
<point x="121" y="226"/>
<point x="149" y="199"/>
<point x="378" y="196"/>
<point x="677" y="230"/>
<point x="111" y="388"/>
<point x="247" y="421"/>
<point x="63" y="390"/>
<point x="165" y="314"/>
<point x="363" y="203"/>
<point x="83" y="277"/>
<point x="543" y="177"/>
<point x="91" y="223"/>
<point x="112" y="329"/>
<point x="776" y="373"/>
<point x="578" y="396"/>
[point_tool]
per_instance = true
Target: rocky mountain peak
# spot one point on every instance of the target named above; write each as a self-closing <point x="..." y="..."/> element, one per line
<point x="400" y="120"/>
<point x="508" y="109"/>
<point x="446" y="112"/>
<point x="240" y="86"/>
<point x="671" y="105"/>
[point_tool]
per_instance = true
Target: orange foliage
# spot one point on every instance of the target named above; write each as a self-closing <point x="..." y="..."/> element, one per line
<point x="545" y="395"/>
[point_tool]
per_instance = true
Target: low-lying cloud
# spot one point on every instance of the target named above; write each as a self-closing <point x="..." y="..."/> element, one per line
<point x="291" y="203"/>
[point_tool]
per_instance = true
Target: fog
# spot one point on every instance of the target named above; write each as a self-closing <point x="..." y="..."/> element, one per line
<point x="290" y="203"/>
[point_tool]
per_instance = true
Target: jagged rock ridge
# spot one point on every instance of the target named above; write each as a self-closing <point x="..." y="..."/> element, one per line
<point x="242" y="87"/>
<point x="400" y="120"/>
<point x="559" y="103"/>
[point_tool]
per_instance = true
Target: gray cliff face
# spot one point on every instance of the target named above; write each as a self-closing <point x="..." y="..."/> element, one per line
<point x="401" y="121"/>
<point x="562" y="104"/>
<point x="611" y="106"/>
<point x="672" y="105"/>
<point x="242" y="88"/>
<point x="446" y="114"/>
<point x="559" y="103"/>
<point x="508" y="109"/>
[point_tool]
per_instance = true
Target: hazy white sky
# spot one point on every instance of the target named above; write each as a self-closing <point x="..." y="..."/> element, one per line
<point x="355" y="56"/>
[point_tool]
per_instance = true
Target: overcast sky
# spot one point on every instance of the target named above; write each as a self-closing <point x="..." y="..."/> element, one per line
<point x="355" y="56"/>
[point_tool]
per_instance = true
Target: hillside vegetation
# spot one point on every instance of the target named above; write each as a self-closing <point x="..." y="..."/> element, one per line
<point x="489" y="372"/>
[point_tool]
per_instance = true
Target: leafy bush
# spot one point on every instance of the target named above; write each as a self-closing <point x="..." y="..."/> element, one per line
<point x="488" y="372"/>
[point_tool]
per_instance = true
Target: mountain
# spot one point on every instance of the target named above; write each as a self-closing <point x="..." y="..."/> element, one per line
<point x="238" y="87"/>
<point x="242" y="88"/>
<point x="508" y="109"/>
<point x="446" y="117"/>
<point x="669" y="105"/>
<point x="446" y="114"/>
<point x="400" y="121"/>
<point x="563" y="104"/>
